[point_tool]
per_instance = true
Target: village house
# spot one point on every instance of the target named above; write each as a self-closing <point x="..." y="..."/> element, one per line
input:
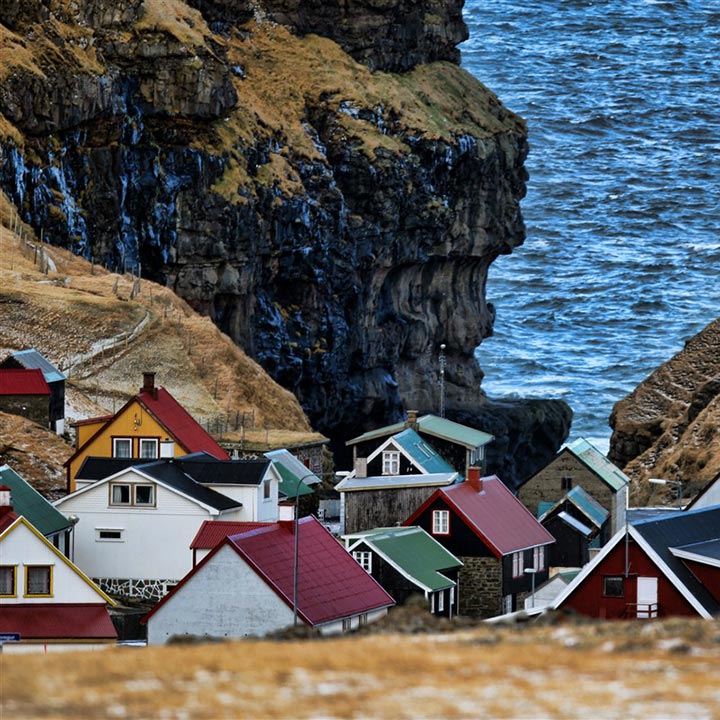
<point x="461" y="446"/>
<point x="150" y="425"/>
<point x="135" y="526"/>
<point x="246" y="587"/>
<point x="407" y="561"/>
<point x="503" y="548"/>
<point x="33" y="360"/>
<point x="396" y="477"/>
<point x="25" y="393"/>
<point x="663" y="566"/>
<point x="579" y="464"/>
<point x="211" y="534"/>
<point x="46" y="602"/>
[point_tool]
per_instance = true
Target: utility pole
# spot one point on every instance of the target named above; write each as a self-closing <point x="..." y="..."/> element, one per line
<point x="442" y="380"/>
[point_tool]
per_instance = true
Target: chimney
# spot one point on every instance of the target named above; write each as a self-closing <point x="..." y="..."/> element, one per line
<point x="167" y="449"/>
<point x="6" y="505"/>
<point x="476" y="482"/>
<point x="149" y="384"/>
<point x="411" y="421"/>
<point x="286" y="515"/>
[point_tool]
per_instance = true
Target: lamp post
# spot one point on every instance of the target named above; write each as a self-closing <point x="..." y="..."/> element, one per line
<point x="677" y="483"/>
<point x="442" y="380"/>
<point x="296" y="572"/>
<point x="531" y="571"/>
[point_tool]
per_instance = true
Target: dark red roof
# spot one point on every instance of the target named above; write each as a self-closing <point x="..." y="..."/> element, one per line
<point x="23" y="382"/>
<point x="495" y="515"/>
<point x="187" y="431"/>
<point x="58" y="621"/>
<point x="331" y="584"/>
<point x="212" y="533"/>
<point x="7" y="518"/>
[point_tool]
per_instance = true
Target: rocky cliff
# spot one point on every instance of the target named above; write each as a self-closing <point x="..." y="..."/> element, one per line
<point x="668" y="426"/>
<point x="268" y="161"/>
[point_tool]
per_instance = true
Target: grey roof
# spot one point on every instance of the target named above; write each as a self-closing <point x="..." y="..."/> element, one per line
<point x="32" y="359"/>
<point x="383" y="482"/>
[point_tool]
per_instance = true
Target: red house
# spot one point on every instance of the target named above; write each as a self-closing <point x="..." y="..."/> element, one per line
<point x="654" y="568"/>
<point x="502" y="546"/>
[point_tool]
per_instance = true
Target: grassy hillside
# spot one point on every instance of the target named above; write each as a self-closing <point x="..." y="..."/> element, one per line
<point x="620" y="670"/>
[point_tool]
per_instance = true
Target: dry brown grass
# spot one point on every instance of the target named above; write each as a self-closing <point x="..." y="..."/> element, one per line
<point x="624" y="670"/>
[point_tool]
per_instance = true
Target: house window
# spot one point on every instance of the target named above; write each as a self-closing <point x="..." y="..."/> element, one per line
<point x="441" y="601"/>
<point x="566" y="483"/>
<point x="518" y="561"/>
<point x="363" y="619"/>
<point x="144" y="494"/>
<point x="119" y="494"/>
<point x="347" y="624"/>
<point x="441" y="522"/>
<point x="7" y="581"/>
<point x="391" y="463"/>
<point x="507" y="604"/>
<point x="539" y="558"/>
<point x="148" y="448"/>
<point x="108" y="534"/>
<point x="38" y="580"/>
<point x="122" y="447"/>
<point x="364" y="559"/>
<point x="613" y="586"/>
<point x="266" y="490"/>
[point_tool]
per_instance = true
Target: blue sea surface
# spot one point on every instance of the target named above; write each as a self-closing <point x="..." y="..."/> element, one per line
<point x="620" y="263"/>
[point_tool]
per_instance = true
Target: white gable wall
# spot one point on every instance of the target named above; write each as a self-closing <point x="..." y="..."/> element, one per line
<point x="710" y="498"/>
<point x="225" y="598"/>
<point x="22" y="547"/>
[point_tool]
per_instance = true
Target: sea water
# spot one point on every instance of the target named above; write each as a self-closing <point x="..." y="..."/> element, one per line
<point x="620" y="263"/>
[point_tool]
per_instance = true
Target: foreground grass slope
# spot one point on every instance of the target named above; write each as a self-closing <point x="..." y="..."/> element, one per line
<point x="623" y="670"/>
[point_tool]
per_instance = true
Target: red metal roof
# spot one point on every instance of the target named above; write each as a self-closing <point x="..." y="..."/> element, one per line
<point x="331" y="584"/>
<point x="212" y="533"/>
<point x="7" y="518"/>
<point x="495" y="515"/>
<point x="58" y="621"/>
<point x="187" y="431"/>
<point x="23" y="382"/>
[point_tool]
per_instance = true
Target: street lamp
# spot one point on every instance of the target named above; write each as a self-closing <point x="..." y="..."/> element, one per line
<point x="677" y="483"/>
<point x="296" y="572"/>
<point x="531" y="571"/>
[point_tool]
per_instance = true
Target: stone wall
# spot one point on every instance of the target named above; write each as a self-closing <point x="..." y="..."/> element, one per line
<point x="135" y="588"/>
<point x="480" y="587"/>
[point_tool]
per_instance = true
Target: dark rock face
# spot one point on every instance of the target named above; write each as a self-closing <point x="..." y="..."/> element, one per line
<point x="337" y="225"/>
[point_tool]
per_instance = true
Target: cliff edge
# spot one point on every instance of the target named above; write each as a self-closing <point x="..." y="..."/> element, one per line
<point x="320" y="178"/>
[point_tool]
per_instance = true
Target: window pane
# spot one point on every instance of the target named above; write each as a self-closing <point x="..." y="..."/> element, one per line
<point x="122" y="447"/>
<point x="121" y="494"/>
<point x="7" y="581"/>
<point x="613" y="586"/>
<point x="38" y="580"/>
<point x="144" y="495"/>
<point x="266" y="490"/>
<point x="148" y="449"/>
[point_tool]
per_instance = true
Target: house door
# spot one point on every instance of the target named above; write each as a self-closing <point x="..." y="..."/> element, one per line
<point x="647" y="597"/>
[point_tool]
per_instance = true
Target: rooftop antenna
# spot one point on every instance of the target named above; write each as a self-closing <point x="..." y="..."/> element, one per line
<point x="442" y="380"/>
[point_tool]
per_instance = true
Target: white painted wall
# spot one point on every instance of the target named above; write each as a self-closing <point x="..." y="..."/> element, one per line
<point x="225" y="598"/>
<point x="22" y="547"/>
<point x="710" y="498"/>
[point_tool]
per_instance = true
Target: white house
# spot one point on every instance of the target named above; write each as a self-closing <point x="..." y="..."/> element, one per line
<point x="45" y="600"/>
<point x="135" y="526"/>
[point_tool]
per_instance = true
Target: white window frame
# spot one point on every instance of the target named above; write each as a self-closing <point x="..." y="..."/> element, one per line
<point x="267" y="490"/>
<point x="539" y="557"/>
<point x="120" y="503"/>
<point x="391" y="462"/>
<point x="518" y="561"/>
<point x="137" y="487"/>
<point x="347" y="624"/>
<point x="100" y="530"/>
<point x="154" y="442"/>
<point x="441" y="522"/>
<point x="363" y="559"/>
<point x="441" y="601"/>
<point x="116" y="441"/>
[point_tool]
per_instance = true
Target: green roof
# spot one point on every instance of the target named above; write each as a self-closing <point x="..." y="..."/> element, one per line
<point x="29" y="503"/>
<point x="425" y="455"/>
<point x="378" y="433"/>
<point x="290" y="485"/>
<point x="412" y="552"/>
<point x="597" y="462"/>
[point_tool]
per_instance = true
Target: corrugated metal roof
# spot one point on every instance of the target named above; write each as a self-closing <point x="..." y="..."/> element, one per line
<point x="58" y="622"/>
<point x="414" y="553"/>
<point x="293" y="465"/>
<point x="212" y="533"/>
<point x="709" y="548"/>
<point x="23" y="382"/>
<point x="597" y="462"/>
<point x="495" y="515"/>
<point x="378" y="433"/>
<point x="32" y="359"/>
<point x="178" y="421"/>
<point x="588" y="505"/>
<point x="29" y="503"/>
<point x="331" y="585"/>
<point x="382" y="482"/>
<point x="455" y="432"/>
<point x="421" y="452"/>
<point x="291" y="485"/>
<point x="544" y="506"/>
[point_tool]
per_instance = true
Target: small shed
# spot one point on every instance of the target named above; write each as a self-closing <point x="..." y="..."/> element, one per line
<point x="25" y="393"/>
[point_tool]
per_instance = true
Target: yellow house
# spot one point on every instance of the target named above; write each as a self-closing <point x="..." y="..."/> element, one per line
<point x="150" y="425"/>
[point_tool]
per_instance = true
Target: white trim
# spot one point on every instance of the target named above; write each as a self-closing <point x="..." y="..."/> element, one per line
<point x="396" y="448"/>
<point x="702" y="559"/>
